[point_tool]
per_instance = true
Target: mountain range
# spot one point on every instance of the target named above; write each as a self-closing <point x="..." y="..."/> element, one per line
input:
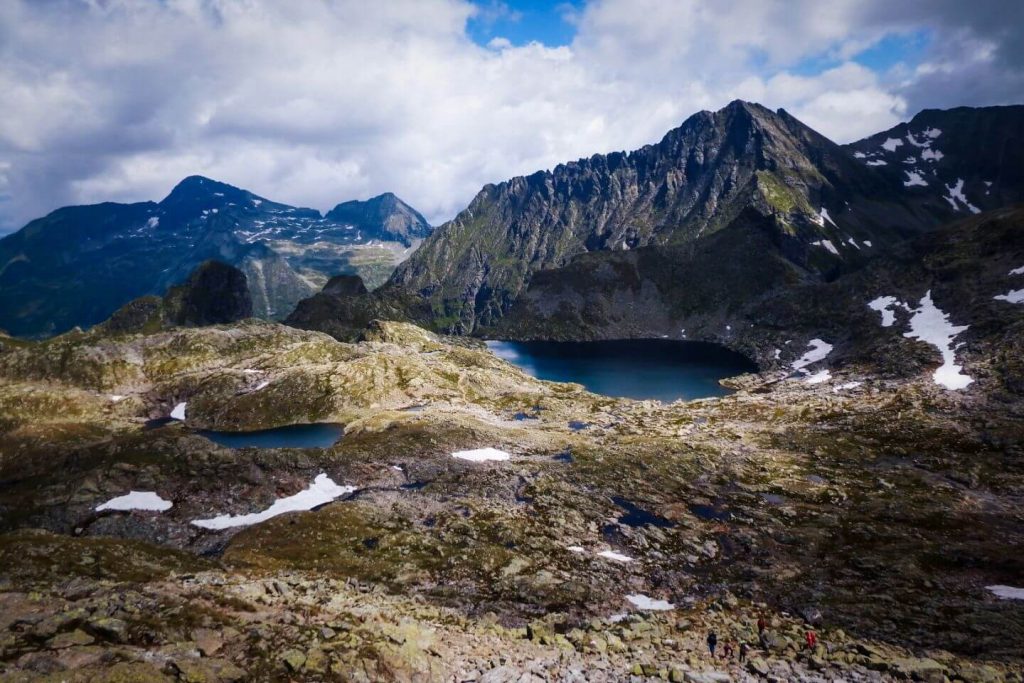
<point x="676" y="238"/>
<point x="77" y="265"/>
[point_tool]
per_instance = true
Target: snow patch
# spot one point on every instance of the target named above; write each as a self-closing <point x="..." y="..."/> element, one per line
<point x="891" y="144"/>
<point x="825" y="217"/>
<point x="481" y="455"/>
<point x="179" y="411"/>
<point x="612" y="555"/>
<point x="931" y="325"/>
<point x="882" y="304"/>
<point x="257" y="202"/>
<point x="262" y="385"/>
<point x="1017" y="271"/>
<point x="914" y="179"/>
<point x="641" y="601"/>
<point x="817" y="350"/>
<point x="1014" y="296"/>
<point x="852" y="242"/>
<point x="827" y="244"/>
<point x="576" y="549"/>
<point x="845" y="386"/>
<point x="956" y="194"/>
<point x="868" y="243"/>
<point x="860" y="155"/>
<point x="116" y="398"/>
<point x="323" y="490"/>
<point x="1007" y="592"/>
<point x="819" y="377"/>
<point x="877" y="162"/>
<point x="932" y="155"/>
<point x="136" y="500"/>
<point x="152" y="222"/>
<point x="932" y="132"/>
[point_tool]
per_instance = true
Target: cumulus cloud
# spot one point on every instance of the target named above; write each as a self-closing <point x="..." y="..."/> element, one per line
<point x="318" y="102"/>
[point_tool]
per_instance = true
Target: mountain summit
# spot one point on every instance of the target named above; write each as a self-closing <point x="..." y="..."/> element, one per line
<point x="384" y="217"/>
<point x="828" y="208"/>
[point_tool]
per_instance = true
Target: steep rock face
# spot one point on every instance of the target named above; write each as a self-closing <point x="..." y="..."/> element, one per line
<point x="214" y="294"/>
<point x="964" y="160"/>
<point x="79" y="264"/>
<point x="696" y="181"/>
<point x="385" y="217"/>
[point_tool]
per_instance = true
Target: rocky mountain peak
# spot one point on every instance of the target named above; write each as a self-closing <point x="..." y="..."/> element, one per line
<point x="384" y="217"/>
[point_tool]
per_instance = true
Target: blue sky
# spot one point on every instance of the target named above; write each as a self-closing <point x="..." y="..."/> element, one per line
<point x="314" y="103"/>
<point x="524" y="21"/>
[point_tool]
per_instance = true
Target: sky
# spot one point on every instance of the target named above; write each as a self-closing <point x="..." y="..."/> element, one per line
<point x="317" y="102"/>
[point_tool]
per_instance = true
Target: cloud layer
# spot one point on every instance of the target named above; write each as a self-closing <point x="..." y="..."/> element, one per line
<point x="314" y="103"/>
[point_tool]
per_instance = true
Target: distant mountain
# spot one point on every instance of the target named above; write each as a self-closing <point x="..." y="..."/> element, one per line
<point x="78" y="264"/>
<point x="384" y="217"/>
<point x="966" y="160"/>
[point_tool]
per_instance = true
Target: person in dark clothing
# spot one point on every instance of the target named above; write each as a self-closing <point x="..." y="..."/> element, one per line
<point x="712" y="642"/>
<point x="727" y="650"/>
<point x="760" y="625"/>
<point x="744" y="651"/>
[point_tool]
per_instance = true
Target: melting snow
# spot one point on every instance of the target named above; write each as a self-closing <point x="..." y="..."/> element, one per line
<point x="868" y="243"/>
<point x="859" y="155"/>
<point x="153" y="222"/>
<point x="932" y="132"/>
<point x="844" y="387"/>
<point x="956" y="193"/>
<point x="819" y="377"/>
<point x="852" y="242"/>
<point x="882" y="304"/>
<point x="1014" y="296"/>
<point x="322" y="490"/>
<point x="612" y="555"/>
<point x="931" y="325"/>
<point x="931" y="155"/>
<point x="136" y="500"/>
<point x="576" y="549"/>
<point x="179" y="412"/>
<point x="891" y="144"/>
<point x="827" y="244"/>
<point x="643" y="602"/>
<point x="816" y="350"/>
<point x="257" y="202"/>
<point x="877" y="162"/>
<point x="1007" y="592"/>
<point x="481" y="455"/>
<point x="914" y="179"/>
<point x="1017" y="271"/>
<point x="825" y="217"/>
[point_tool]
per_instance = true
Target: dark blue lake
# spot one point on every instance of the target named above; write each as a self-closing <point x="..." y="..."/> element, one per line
<point x="293" y="436"/>
<point x="660" y="369"/>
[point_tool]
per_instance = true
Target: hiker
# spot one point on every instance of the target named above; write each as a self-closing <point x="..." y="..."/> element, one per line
<point x="761" y="625"/>
<point x="712" y="642"/>
<point x="727" y="650"/>
<point x="744" y="651"/>
<point x="812" y="640"/>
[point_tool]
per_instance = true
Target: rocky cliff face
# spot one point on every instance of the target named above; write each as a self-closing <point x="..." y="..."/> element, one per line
<point x="964" y="160"/>
<point x="79" y="264"/>
<point x="689" y="186"/>
<point x="385" y="217"/>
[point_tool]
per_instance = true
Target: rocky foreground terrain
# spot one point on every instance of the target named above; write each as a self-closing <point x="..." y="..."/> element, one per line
<point x="876" y="507"/>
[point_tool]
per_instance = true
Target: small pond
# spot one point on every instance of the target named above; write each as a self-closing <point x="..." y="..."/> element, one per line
<point x="320" y="435"/>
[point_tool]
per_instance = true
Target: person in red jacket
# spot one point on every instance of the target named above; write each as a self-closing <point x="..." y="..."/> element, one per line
<point x="812" y="640"/>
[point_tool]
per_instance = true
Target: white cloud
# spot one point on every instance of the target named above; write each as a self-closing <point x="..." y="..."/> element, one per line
<point x="316" y="103"/>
